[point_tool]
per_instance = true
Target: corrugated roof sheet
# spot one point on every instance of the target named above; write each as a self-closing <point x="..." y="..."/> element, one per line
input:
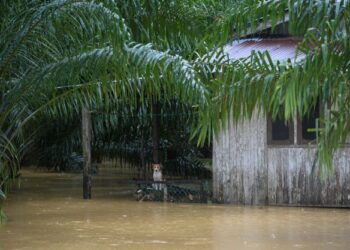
<point x="280" y="49"/>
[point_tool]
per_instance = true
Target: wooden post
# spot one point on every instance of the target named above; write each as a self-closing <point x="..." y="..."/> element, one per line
<point x="156" y="132"/>
<point x="201" y="192"/>
<point x="165" y="192"/>
<point x="143" y="169"/>
<point x="86" y="140"/>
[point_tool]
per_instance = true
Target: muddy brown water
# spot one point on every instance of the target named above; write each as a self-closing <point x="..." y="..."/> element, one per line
<point x="46" y="211"/>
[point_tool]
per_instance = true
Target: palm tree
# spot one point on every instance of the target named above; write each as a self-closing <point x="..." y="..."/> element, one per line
<point x="30" y="52"/>
<point x="57" y="56"/>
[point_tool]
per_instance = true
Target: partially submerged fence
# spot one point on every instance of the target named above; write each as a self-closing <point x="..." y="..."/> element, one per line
<point x="192" y="191"/>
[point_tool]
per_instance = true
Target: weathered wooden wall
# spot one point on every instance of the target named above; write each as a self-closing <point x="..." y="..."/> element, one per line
<point x="248" y="171"/>
<point x="239" y="163"/>
<point x="291" y="180"/>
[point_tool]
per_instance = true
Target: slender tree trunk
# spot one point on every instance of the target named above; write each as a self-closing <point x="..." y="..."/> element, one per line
<point x="142" y="156"/>
<point x="86" y="125"/>
<point x="156" y="132"/>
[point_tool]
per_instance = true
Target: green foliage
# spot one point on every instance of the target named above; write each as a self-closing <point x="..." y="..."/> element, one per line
<point x="119" y="56"/>
<point x="3" y="216"/>
<point x="2" y="194"/>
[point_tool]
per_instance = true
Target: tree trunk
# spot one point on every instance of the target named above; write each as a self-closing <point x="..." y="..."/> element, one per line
<point x="86" y="140"/>
<point x="142" y="156"/>
<point x="156" y="132"/>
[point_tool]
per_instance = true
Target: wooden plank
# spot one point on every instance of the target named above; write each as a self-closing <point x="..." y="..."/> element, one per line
<point x="291" y="180"/>
<point x="240" y="166"/>
<point x="86" y="140"/>
<point x="247" y="171"/>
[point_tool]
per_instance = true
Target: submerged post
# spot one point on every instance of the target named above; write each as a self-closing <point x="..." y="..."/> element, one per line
<point x="86" y="140"/>
<point x="156" y="132"/>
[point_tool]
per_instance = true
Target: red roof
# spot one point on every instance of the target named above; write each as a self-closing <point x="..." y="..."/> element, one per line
<point x="280" y="49"/>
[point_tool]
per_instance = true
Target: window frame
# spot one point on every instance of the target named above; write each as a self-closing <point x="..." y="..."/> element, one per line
<point x="270" y="141"/>
<point x="300" y="139"/>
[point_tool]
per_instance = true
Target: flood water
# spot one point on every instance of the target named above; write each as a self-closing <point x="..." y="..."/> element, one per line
<point x="46" y="211"/>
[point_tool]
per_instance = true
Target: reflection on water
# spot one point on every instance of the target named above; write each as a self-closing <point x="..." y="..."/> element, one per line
<point x="48" y="212"/>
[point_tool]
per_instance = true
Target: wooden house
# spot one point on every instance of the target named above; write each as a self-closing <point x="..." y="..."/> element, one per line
<point x="261" y="161"/>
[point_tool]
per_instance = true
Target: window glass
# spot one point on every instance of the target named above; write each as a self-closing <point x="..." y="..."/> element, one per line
<point x="280" y="130"/>
<point x="309" y="122"/>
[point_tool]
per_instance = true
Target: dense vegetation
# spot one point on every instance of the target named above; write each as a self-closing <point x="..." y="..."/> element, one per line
<point x="120" y="57"/>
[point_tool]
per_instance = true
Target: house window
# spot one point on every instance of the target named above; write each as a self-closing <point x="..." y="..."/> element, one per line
<point x="307" y="124"/>
<point x="279" y="132"/>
